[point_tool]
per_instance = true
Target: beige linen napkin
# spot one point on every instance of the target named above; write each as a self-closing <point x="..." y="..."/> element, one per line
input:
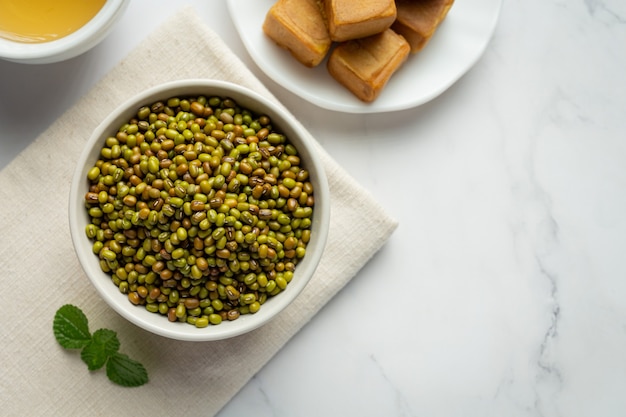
<point x="40" y="271"/>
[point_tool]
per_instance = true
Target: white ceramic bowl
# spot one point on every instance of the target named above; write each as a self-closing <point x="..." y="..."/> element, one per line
<point x="158" y="323"/>
<point x="68" y="46"/>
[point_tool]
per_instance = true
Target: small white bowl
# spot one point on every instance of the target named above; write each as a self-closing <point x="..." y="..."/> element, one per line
<point x="68" y="46"/>
<point x="155" y="322"/>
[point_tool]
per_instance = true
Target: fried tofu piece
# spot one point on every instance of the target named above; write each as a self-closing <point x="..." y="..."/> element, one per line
<point x="417" y="20"/>
<point x="353" y="19"/>
<point x="364" y="66"/>
<point x="299" y="27"/>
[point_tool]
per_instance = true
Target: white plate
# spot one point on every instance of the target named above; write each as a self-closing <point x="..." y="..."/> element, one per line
<point x="453" y="50"/>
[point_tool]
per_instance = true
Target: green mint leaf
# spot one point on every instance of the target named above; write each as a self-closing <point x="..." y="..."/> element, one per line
<point x="104" y="343"/>
<point x="71" y="330"/>
<point x="125" y="371"/>
<point x="70" y="327"/>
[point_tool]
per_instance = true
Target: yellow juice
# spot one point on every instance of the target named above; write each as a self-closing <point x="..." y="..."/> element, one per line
<point x="34" y="21"/>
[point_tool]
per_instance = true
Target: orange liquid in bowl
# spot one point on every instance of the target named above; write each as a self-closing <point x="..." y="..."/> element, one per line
<point x="35" y="21"/>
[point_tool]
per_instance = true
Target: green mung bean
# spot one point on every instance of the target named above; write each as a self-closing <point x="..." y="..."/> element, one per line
<point x="200" y="210"/>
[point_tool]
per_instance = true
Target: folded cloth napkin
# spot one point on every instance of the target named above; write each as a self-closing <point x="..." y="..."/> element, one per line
<point x="40" y="270"/>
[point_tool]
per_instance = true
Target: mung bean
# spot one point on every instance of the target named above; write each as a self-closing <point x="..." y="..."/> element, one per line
<point x="200" y="209"/>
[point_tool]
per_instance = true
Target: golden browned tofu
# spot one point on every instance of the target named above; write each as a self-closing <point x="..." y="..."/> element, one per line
<point x="417" y="20"/>
<point x="299" y="27"/>
<point x="353" y="19"/>
<point x="364" y="66"/>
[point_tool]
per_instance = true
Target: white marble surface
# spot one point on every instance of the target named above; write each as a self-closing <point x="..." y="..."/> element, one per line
<point x="503" y="291"/>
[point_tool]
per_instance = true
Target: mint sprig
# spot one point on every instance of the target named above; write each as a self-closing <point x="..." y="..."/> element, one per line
<point x="71" y="330"/>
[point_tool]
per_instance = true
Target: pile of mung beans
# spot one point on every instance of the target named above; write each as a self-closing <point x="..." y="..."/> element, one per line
<point x="199" y="209"/>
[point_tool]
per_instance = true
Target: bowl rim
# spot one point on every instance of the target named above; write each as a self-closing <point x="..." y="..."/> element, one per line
<point x="73" y="44"/>
<point x="306" y="267"/>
